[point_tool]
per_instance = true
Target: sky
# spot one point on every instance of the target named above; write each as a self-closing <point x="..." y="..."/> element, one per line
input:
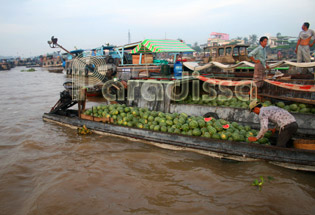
<point x="27" y="25"/>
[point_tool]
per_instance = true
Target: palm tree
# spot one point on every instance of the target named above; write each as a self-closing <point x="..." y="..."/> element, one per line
<point x="253" y="39"/>
<point x="245" y="40"/>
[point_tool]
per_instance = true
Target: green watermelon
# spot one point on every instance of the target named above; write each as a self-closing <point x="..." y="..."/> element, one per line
<point x="177" y="130"/>
<point x="280" y="104"/>
<point x="216" y="136"/>
<point x="156" y="128"/>
<point x="211" y="130"/>
<point x="263" y="140"/>
<point x="293" y="107"/>
<point x="193" y="124"/>
<point x="170" y="130"/>
<point x="185" y="127"/>
<point x="201" y="123"/>
<point x="163" y="128"/>
<point x="302" y="106"/>
<point x="206" y="134"/>
<point x="196" y="132"/>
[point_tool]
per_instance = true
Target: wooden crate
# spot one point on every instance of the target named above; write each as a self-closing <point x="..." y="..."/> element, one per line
<point x="304" y="144"/>
<point x="97" y="119"/>
<point x="146" y="58"/>
<point x="102" y="119"/>
<point x="87" y="117"/>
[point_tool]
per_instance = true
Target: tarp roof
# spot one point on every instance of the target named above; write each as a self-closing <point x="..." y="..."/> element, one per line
<point x="149" y="45"/>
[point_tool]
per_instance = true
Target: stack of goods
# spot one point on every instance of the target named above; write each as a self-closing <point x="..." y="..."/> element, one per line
<point x="176" y="123"/>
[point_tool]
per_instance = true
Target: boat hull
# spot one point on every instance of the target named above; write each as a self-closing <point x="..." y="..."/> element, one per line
<point x="286" y="157"/>
<point x="55" y="69"/>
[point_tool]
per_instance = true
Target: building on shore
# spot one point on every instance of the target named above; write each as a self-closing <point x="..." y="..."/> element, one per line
<point x="217" y="39"/>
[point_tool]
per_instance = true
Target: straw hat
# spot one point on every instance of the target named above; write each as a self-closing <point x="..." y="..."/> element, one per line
<point x="278" y="74"/>
<point x="253" y="104"/>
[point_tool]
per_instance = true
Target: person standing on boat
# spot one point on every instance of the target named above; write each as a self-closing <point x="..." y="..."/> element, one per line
<point x="258" y="56"/>
<point x="280" y="117"/>
<point x="303" y="45"/>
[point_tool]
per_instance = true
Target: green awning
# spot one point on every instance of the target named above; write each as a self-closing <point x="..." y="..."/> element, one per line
<point x="148" y="46"/>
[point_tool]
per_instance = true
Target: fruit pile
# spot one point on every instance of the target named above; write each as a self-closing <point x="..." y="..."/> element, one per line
<point x="237" y="103"/>
<point x="84" y="130"/>
<point x="176" y="123"/>
<point x="222" y="102"/>
<point x="294" y="107"/>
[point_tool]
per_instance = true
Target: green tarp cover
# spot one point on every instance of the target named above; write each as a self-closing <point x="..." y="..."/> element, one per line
<point x="148" y="46"/>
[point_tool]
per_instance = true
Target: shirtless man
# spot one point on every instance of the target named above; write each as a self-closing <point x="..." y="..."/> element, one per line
<point x="303" y="45"/>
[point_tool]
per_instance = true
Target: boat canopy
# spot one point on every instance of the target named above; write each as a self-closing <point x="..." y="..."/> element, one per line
<point x="150" y="45"/>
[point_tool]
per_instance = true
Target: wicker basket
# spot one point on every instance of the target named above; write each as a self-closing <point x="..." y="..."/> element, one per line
<point x="304" y="144"/>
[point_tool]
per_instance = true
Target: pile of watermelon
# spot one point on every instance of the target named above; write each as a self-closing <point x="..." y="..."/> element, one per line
<point x="234" y="102"/>
<point x="293" y="107"/>
<point x="176" y="123"/>
<point x="220" y="102"/>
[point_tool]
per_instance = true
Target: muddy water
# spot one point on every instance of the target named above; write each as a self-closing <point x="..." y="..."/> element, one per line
<point x="49" y="169"/>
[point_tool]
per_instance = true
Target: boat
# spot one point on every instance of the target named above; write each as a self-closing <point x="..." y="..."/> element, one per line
<point x="55" y="69"/>
<point x="4" y="65"/>
<point x="53" y="63"/>
<point x="94" y="91"/>
<point x="292" y="158"/>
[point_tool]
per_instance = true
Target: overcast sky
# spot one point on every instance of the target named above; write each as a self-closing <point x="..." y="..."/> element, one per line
<point x="26" y="25"/>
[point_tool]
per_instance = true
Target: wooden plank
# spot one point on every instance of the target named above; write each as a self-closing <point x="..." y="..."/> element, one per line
<point x="301" y="100"/>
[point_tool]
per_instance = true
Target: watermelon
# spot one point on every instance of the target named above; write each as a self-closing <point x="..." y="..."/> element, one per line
<point x="163" y="128"/>
<point x="280" y="104"/>
<point x="216" y="136"/>
<point x="201" y="123"/>
<point x="170" y="130"/>
<point x="203" y="130"/>
<point x="305" y="110"/>
<point x="193" y="124"/>
<point x="189" y="133"/>
<point x="226" y="126"/>
<point x="207" y="134"/>
<point x="196" y="132"/>
<point x="211" y="129"/>
<point x="263" y="140"/>
<point x="185" y="127"/>
<point x="169" y="122"/>
<point x="293" y="107"/>
<point x="208" y="119"/>
<point x="156" y="128"/>
<point x="177" y="131"/>
<point x="302" y="106"/>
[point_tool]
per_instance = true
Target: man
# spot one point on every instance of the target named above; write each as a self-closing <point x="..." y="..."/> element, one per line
<point x="258" y="56"/>
<point x="303" y="45"/>
<point x="282" y="118"/>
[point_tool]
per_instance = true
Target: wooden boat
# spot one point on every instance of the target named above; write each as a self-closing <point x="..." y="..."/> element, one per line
<point x="230" y="54"/>
<point x="56" y="69"/>
<point x="95" y="91"/>
<point x="4" y="66"/>
<point x="297" y="159"/>
<point x="52" y="63"/>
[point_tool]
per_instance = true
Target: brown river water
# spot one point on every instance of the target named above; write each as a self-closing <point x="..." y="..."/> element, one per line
<point x="48" y="169"/>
